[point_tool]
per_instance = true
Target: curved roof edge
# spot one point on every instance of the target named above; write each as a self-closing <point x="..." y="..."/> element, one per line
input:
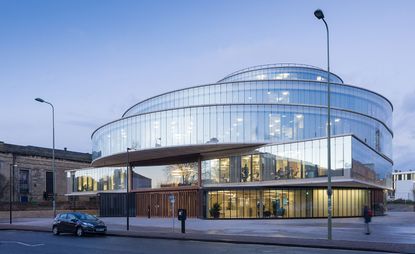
<point x="279" y="65"/>
<point x="160" y="153"/>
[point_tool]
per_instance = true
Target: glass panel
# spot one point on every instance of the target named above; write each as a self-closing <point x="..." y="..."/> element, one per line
<point x="286" y="203"/>
<point x="99" y="179"/>
<point x="246" y="172"/>
<point x="166" y="176"/>
<point x="256" y="168"/>
<point x="224" y="170"/>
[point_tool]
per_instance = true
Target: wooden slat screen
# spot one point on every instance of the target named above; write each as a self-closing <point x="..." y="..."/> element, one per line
<point x="160" y="206"/>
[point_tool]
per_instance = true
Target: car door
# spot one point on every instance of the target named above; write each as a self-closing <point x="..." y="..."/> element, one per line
<point x="71" y="223"/>
<point x="61" y="221"/>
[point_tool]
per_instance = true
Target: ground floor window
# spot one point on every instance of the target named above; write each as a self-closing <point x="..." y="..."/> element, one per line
<point x="288" y="202"/>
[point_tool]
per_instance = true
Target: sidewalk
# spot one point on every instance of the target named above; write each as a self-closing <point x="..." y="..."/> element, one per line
<point x="392" y="233"/>
<point x="398" y="227"/>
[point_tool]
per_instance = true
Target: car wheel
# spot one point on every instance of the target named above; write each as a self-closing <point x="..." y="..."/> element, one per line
<point x="79" y="231"/>
<point x="55" y="230"/>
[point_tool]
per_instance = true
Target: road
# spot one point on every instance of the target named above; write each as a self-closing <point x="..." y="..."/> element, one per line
<point x="395" y="227"/>
<point x="16" y="242"/>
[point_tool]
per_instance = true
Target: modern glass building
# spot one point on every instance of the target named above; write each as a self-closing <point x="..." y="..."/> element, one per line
<point x="252" y="145"/>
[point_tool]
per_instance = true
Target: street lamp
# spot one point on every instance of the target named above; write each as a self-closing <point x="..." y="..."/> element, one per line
<point x="320" y="15"/>
<point x="11" y="183"/>
<point x="53" y="154"/>
<point x="127" y="199"/>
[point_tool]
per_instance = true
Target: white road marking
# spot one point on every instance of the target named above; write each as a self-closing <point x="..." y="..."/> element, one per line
<point x="24" y="244"/>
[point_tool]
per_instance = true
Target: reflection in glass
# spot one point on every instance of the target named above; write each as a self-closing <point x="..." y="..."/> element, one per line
<point x="299" y="160"/>
<point x="246" y="168"/>
<point x="236" y="124"/>
<point x="97" y="179"/>
<point x="164" y="176"/>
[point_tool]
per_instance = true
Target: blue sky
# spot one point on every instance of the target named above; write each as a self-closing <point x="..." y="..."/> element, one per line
<point x="94" y="59"/>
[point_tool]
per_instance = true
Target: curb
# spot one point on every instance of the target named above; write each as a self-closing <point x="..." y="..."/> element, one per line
<point x="244" y="239"/>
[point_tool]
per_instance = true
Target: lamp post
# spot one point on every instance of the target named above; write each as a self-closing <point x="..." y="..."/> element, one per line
<point x="320" y="15"/>
<point x="11" y="190"/>
<point x="127" y="198"/>
<point x="53" y="154"/>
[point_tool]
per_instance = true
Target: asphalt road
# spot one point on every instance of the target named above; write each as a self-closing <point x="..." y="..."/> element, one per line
<point x="15" y="242"/>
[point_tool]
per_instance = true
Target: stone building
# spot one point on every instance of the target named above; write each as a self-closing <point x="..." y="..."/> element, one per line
<point x="31" y="171"/>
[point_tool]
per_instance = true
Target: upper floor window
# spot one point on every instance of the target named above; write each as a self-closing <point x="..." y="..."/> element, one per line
<point x="24" y="181"/>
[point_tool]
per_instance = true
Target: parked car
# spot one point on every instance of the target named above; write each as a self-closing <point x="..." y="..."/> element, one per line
<point x="78" y="223"/>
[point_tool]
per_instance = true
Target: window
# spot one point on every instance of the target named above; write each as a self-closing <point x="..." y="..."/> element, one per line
<point x="71" y="216"/>
<point x="73" y="188"/>
<point x="172" y="175"/>
<point x="224" y="170"/>
<point x="246" y="168"/>
<point x="377" y="140"/>
<point x="256" y="168"/>
<point x="49" y="182"/>
<point x="24" y="181"/>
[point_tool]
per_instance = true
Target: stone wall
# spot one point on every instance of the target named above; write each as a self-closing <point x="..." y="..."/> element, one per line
<point x="37" y="167"/>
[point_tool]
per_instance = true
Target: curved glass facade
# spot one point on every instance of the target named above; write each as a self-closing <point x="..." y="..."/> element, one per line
<point x="282" y="71"/>
<point x="235" y="124"/>
<point x="272" y="92"/>
<point x="264" y="104"/>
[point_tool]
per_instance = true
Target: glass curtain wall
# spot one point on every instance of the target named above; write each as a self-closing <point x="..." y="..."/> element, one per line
<point x="167" y="176"/>
<point x="97" y="179"/>
<point x="235" y="124"/>
<point x="288" y="202"/>
<point x="369" y="166"/>
<point x="281" y="72"/>
<point x="273" y="92"/>
<point x="298" y="160"/>
<point x="308" y="159"/>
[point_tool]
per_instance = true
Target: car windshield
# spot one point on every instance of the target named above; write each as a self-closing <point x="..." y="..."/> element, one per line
<point x="84" y="216"/>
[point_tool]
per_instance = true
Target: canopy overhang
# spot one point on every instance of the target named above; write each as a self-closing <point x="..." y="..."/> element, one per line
<point x="172" y="154"/>
<point x="337" y="181"/>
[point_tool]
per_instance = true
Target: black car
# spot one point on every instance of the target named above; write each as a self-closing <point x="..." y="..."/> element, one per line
<point x="78" y="223"/>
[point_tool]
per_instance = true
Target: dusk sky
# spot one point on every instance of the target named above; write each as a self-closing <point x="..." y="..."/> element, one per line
<point x="95" y="59"/>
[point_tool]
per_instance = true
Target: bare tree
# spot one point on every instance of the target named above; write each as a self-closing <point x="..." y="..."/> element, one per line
<point x="186" y="172"/>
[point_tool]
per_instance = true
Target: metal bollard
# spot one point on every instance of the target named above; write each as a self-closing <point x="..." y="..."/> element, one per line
<point x="183" y="226"/>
